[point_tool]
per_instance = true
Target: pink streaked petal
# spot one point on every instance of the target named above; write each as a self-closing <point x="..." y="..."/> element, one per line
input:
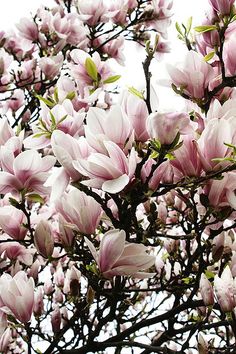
<point x="111" y="248"/>
<point x="33" y="141"/>
<point x="117" y="156"/>
<point x="115" y="185"/>
<point x="9" y="182"/>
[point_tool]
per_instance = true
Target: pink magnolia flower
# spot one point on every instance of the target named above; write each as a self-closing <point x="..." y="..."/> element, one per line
<point x="28" y="172"/>
<point x="194" y="76"/>
<point x="80" y="210"/>
<point x="17" y="294"/>
<point x="56" y="319"/>
<point x="66" y="235"/>
<point x="136" y="110"/>
<point x="77" y="65"/>
<point x="51" y="66"/>
<point x="186" y="158"/>
<point x="222" y="6"/>
<point x="165" y="126"/>
<point x="43" y="239"/>
<point x="61" y="117"/>
<point x="206" y="291"/>
<point x="111" y="172"/>
<point x="112" y="126"/>
<point x="66" y="149"/>
<point x="38" y="303"/>
<point x="6" y="132"/>
<point x="161" y="12"/>
<point x="14" y="251"/>
<point x="28" y="29"/>
<point x="92" y="11"/>
<point x="15" y="102"/>
<point x="229" y="58"/>
<point x="5" y="340"/>
<point x="12" y="222"/>
<point x="117" y="257"/>
<point x="113" y="48"/>
<point x="211" y="143"/>
<point x="72" y="281"/>
<point x="225" y="290"/>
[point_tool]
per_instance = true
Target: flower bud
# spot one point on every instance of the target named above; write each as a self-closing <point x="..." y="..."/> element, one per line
<point x="206" y="291"/>
<point x="43" y="239"/>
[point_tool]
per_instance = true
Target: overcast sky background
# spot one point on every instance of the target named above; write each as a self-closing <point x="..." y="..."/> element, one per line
<point x="13" y="10"/>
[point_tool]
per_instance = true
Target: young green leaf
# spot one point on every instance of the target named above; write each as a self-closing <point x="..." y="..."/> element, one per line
<point x="112" y="79"/>
<point x="205" y="28"/>
<point x="209" y="56"/>
<point x="177" y="26"/>
<point x="91" y="69"/>
<point x="136" y="92"/>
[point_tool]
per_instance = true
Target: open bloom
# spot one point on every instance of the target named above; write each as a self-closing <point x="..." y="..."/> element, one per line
<point x="118" y="257"/>
<point x="195" y="75"/>
<point x="165" y="126"/>
<point x="17" y="294"/>
<point x="222" y="6"/>
<point x="113" y="126"/>
<point x="28" y="171"/>
<point x="12" y="222"/>
<point x="80" y="210"/>
<point x="110" y="173"/>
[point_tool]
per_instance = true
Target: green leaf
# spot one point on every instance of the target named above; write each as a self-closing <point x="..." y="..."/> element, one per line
<point x="189" y="25"/>
<point x="177" y="26"/>
<point x="53" y="120"/>
<point x="209" y="56"/>
<point x="91" y="69"/>
<point x="209" y="274"/>
<point x="112" y="79"/>
<point x="203" y="29"/>
<point x="136" y="92"/>
<point x="49" y="103"/>
<point x="14" y="203"/>
<point x="56" y="98"/>
<point x="36" y="198"/>
<point x="70" y="95"/>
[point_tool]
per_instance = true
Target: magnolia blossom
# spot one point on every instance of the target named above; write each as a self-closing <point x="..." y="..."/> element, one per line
<point x="225" y="290"/>
<point x="92" y="11"/>
<point x="110" y="173"/>
<point x="137" y="112"/>
<point x="16" y="252"/>
<point x="113" y="126"/>
<point x="28" y="29"/>
<point x="222" y="6"/>
<point x="17" y="295"/>
<point x="117" y="257"/>
<point x="61" y="117"/>
<point x="211" y="145"/>
<point x="66" y="149"/>
<point x="79" y="71"/>
<point x="206" y="291"/>
<point x="16" y="227"/>
<point x="28" y="172"/>
<point x="43" y="239"/>
<point x="165" y="126"/>
<point x="194" y="76"/>
<point x="80" y="210"/>
<point x="51" y="66"/>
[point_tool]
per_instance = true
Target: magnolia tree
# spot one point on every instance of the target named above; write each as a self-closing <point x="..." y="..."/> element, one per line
<point x="117" y="219"/>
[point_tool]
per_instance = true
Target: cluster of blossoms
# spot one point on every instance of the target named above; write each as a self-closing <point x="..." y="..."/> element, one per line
<point x="113" y="211"/>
